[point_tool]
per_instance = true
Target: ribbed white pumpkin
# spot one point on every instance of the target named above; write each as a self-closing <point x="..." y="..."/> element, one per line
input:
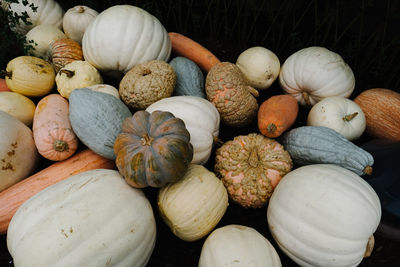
<point x="240" y="246"/>
<point x="42" y="36"/>
<point x="76" y="20"/>
<point x="340" y="114"/>
<point x="201" y="119"/>
<point x="18" y="153"/>
<point x="123" y="36"/>
<point x="314" y="73"/>
<point x="323" y="215"/>
<point x="48" y="12"/>
<point x="194" y="205"/>
<point x="90" y="219"/>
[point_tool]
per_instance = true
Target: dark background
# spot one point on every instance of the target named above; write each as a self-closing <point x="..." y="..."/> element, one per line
<point x="365" y="33"/>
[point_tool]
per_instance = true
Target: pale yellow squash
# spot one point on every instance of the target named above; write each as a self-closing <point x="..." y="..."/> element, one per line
<point x="18" y="106"/>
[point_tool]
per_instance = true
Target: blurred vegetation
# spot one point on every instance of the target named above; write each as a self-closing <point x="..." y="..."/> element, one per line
<point x="365" y="32"/>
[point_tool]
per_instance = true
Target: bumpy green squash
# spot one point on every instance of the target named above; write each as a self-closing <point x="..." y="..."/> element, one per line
<point x="317" y="144"/>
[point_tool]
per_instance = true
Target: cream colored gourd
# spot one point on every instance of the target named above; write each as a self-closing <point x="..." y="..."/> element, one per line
<point x="18" y="106"/>
<point x="47" y="12"/>
<point x="30" y="76"/>
<point x="260" y="66"/>
<point x="41" y="37"/>
<point x="201" y="119"/>
<point x="314" y="73"/>
<point x="90" y="219"/>
<point x="123" y="36"/>
<point x="105" y="88"/>
<point x="4" y="4"/>
<point x="340" y="114"/>
<point x="76" y="20"/>
<point x="324" y="215"/>
<point x="193" y="206"/>
<point x="238" y="245"/>
<point x="18" y="154"/>
<point x="77" y="74"/>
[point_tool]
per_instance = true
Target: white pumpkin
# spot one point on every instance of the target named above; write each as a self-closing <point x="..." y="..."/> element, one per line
<point x="201" y="119"/>
<point x="76" y="20"/>
<point x="18" y="106"/>
<point x="340" y="114"/>
<point x="47" y="12"/>
<point x="194" y="205"/>
<point x="90" y="219"/>
<point x="123" y="36"/>
<point x="77" y="74"/>
<point x="314" y="73"/>
<point x="4" y="4"/>
<point x="324" y="215"/>
<point x="105" y="88"/>
<point x="240" y="246"/>
<point x="41" y="37"/>
<point x="260" y="66"/>
<point x="18" y="153"/>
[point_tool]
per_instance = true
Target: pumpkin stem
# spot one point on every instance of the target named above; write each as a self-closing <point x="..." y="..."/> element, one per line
<point x="368" y="170"/>
<point x="217" y="141"/>
<point x="253" y="158"/>
<point x="147" y="140"/>
<point x="306" y="97"/>
<point x="253" y="91"/>
<point x="81" y="9"/>
<point x="60" y="146"/>
<point x="271" y="128"/>
<point x="5" y="73"/>
<point x="69" y="73"/>
<point x="370" y="246"/>
<point x="350" y="116"/>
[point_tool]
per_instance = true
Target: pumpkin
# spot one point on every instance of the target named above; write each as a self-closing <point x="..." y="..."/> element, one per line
<point x="189" y="77"/>
<point x="340" y="114"/>
<point x="381" y="107"/>
<point x="238" y="245"/>
<point x="324" y="215"/>
<point x="260" y="66"/>
<point x="18" y="106"/>
<point x="77" y="74"/>
<point x="63" y="51"/>
<point x="250" y="166"/>
<point x="147" y="83"/>
<point x="276" y="115"/>
<point x="194" y="205"/>
<point x="3" y="86"/>
<point x="201" y="119"/>
<point x="122" y="36"/>
<point x="52" y="130"/>
<point x="314" y="73"/>
<point x="76" y="20"/>
<point x="18" y="154"/>
<point x="229" y="91"/>
<point x="90" y="219"/>
<point x="46" y="12"/>
<point x="30" y="76"/>
<point x="105" y="88"/>
<point x="153" y="149"/>
<point x="96" y="119"/>
<point x="42" y="36"/>
<point x="318" y="144"/>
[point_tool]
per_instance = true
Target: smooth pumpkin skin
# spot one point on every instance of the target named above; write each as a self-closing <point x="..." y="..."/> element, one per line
<point x="18" y="106"/>
<point x="153" y="149"/>
<point x="277" y="114"/>
<point x="3" y="86"/>
<point x="42" y="36"/>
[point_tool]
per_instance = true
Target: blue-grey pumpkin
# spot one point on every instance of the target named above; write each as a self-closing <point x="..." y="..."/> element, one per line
<point x="317" y="144"/>
<point x="96" y="119"/>
<point x="189" y="77"/>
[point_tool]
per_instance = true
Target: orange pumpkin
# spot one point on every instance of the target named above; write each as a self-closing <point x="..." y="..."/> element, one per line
<point x="64" y="51"/>
<point x="3" y="86"/>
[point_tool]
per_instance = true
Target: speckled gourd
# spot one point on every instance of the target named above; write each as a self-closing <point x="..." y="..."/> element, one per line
<point x="250" y="167"/>
<point x="319" y="144"/>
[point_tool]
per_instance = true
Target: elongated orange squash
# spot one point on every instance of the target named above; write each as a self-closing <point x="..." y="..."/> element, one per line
<point x="52" y="130"/>
<point x="13" y="197"/>
<point x="186" y="47"/>
<point x="3" y="86"/>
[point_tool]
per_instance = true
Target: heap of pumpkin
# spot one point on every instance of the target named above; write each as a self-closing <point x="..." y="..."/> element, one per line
<point x="159" y="128"/>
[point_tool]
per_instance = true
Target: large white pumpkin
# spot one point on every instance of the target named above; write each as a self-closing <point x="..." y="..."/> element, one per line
<point x="201" y="119"/>
<point x="239" y="246"/>
<point x="90" y="219"/>
<point x="123" y="36"/>
<point x="324" y="215"/>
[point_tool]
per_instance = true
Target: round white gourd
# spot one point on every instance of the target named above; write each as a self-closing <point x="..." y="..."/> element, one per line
<point x="41" y="37"/>
<point x="314" y="73"/>
<point x="90" y="219"/>
<point x="123" y="36"/>
<point x="201" y="119"/>
<point x="324" y="215"/>
<point x="76" y="20"/>
<point x="240" y="246"/>
<point x="105" y="88"/>
<point x="340" y="114"/>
